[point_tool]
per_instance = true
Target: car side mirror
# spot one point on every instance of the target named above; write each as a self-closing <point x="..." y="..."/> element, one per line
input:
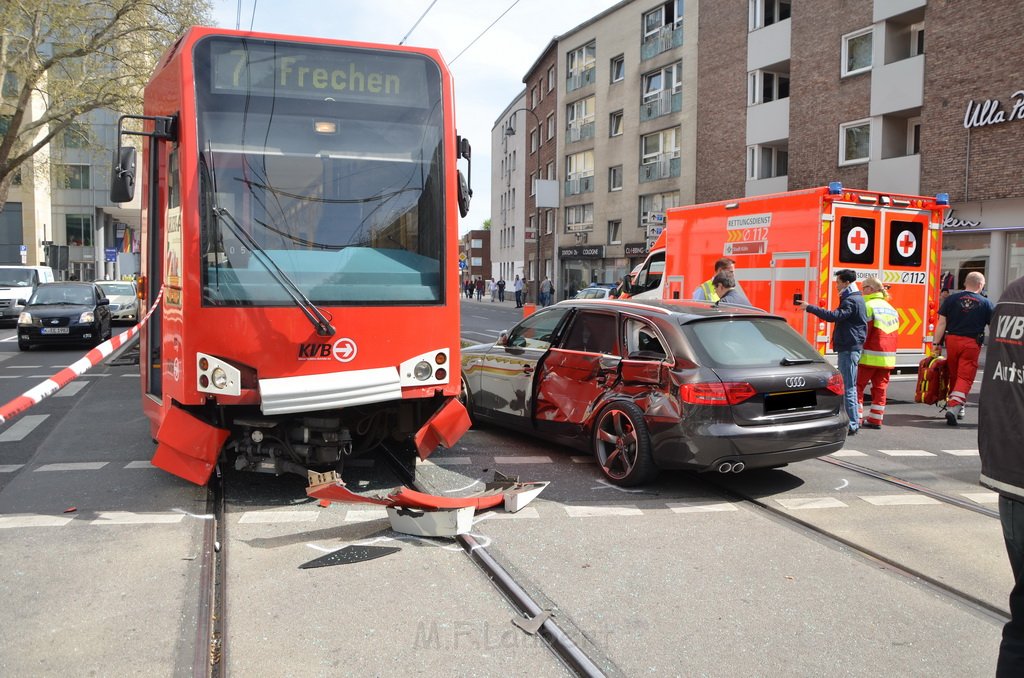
<point x="103" y="302"/>
<point x="22" y="302"/>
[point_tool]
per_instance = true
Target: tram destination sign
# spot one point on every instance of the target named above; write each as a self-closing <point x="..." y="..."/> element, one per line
<point x="323" y="72"/>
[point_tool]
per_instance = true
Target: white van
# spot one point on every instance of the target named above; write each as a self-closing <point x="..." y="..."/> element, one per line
<point x="17" y="283"/>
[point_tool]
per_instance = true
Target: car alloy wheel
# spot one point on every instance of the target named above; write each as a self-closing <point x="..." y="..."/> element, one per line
<point x="622" y="445"/>
<point x="465" y="399"/>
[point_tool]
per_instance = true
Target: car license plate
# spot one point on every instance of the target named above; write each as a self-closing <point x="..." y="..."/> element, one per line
<point x="54" y="330"/>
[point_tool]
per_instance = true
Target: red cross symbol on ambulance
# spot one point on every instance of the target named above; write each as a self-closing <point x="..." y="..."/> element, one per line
<point x="906" y="243"/>
<point x="857" y="240"/>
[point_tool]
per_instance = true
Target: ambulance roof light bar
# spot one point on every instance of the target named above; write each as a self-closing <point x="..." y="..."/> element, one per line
<point x="942" y="198"/>
<point x="835" y="188"/>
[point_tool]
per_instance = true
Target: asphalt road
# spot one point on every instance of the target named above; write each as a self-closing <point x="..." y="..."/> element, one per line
<point x="98" y="569"/>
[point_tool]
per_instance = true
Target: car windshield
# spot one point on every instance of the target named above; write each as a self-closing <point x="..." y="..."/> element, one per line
<point x="15" y="277"/>
<point x="750" y="342"/>
<point x="117" y="288"/>
<point x="63" y="295"/>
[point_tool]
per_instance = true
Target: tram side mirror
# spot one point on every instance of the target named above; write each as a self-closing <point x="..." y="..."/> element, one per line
<point x="464" y="149"/>
<point x="122" y="178"/>
<point x="464" y="195"/>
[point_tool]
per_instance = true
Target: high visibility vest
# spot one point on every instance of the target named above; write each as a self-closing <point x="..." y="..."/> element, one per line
<point x="883" y="331"/>
<point x="709" y="290"/>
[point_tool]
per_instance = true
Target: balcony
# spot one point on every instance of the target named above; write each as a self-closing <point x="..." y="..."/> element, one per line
<point x="669" y="37"/>
<point x="896" y="175"/>
<point x="897" y="86"/>
<point x="768" y="122"/>
<point x="579" y="131"/>
<point x="769" y="45"/>
<point x="662" y="167"/>
<point x="663" y="104"/>
<point x="580" y="79"/>
<point x="579" y="183"/>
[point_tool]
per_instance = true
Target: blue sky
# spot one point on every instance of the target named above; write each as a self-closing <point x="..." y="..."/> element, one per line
<point x="487" y="75"/>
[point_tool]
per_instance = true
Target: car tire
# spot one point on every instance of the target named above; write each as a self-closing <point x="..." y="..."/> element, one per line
<point x="23" y="345"/>
<point x="622" y="445"/>
<point x="466" y="400"/>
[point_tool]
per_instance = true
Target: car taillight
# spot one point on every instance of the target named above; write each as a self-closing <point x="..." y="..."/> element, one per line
<point x="835" y="384"/>
<point x="720" y="393"/>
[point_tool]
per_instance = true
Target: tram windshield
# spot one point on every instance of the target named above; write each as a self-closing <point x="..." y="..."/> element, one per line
<point x="330" y="159"/>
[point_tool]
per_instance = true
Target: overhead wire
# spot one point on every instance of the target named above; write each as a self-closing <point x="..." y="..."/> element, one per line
<point x="516" y="2"/>
<point x="402" y="41"/>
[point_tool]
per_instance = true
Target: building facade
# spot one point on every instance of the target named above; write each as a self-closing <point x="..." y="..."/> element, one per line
<point x="508" y="199"/>
<point x="670" y="103"/>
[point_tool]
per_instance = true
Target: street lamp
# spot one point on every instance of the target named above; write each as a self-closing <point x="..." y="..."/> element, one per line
<point x="511" y="131"/>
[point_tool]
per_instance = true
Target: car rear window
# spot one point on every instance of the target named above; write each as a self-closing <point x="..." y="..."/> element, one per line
<point x="749" y="342"/>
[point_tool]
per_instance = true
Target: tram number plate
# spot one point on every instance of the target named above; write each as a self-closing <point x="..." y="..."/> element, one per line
<point x="54" y="330"/>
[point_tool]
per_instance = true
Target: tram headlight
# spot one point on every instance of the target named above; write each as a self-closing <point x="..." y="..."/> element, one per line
<point x="220" y="378"/>
<point x="423" y="370"/>
<point x="87" y="317"/>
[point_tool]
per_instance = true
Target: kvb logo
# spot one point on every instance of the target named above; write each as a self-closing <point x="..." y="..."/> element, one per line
<point x="1010" y="327"/>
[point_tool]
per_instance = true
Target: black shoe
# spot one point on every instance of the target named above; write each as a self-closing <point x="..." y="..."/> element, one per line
<point x="951" y="418"/>
<point x="852" y="432"/>
<point x="871" y="426"/>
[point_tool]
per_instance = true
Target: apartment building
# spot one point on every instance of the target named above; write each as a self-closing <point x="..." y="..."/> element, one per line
<point x="508" y="199"/>
<point x="59" y="213"/>
<point x="669" y="103"/>
<point x="475" y="256"/>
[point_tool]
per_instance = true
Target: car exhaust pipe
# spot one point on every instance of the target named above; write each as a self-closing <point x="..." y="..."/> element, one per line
<point x="738" y="466"/>
<point x="724" y="467"/>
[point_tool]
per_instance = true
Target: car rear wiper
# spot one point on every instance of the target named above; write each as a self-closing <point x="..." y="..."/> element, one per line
<point x="796" y="361"/>
<point x="320" y="323"/>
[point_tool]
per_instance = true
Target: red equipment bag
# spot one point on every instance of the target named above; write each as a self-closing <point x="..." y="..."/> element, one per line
<point x="932" y="380"/>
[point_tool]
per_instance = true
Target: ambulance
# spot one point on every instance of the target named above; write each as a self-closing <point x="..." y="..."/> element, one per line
<point x="787" y="246"/>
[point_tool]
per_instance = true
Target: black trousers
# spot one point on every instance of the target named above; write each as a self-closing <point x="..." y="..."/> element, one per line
<point x="1011" y="649"/>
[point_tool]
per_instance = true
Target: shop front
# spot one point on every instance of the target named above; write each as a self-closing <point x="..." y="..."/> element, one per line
<point x="985" y="236"/>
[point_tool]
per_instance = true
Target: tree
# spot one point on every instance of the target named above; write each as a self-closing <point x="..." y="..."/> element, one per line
<point x="487" y="224"/>
<point x="60" y="59"/>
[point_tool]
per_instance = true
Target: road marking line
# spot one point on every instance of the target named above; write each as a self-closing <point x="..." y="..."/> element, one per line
<point x="22" y="427"/>
<point x="523" y="460"/>
<point x="26" y="367"/>
<point x="583" y="460"/>
<point x="34" y="520"/>
<point x="365" y="515"/>
<point x="899" y="499"/>
<point x="908" y="453"/>
<point x="962" y="453"/>
<point x="601" y="511"/>
<point x="71" y="389"/>
<point x="811" y="503"/>
<point x="278" y="516"/>
<point x="982" y="497"/>
<point x="132" y="376"/>
<point x="73" y="466"/>
<point x="9" y="468"/>
<point x="130" y="518"/>
<point x="847" y="453"/>
<point x="702" y="507"/>
<point x="139" y="464"/>
<point x="444" y="461"/>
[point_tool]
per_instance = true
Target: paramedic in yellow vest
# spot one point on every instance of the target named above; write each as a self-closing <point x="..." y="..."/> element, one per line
<point x="706" y="291"/>
<point x="878" y="358"/>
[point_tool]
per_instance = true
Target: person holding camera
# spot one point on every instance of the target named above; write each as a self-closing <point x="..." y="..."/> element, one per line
<point x="963" y="318"/>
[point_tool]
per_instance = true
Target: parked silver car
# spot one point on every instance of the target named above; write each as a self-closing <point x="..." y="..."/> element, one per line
<point x="124" y="299"/>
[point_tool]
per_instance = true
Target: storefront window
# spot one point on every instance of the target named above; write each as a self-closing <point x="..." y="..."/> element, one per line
<point x="1014" y="256"/>
<point x="963" y="253"/>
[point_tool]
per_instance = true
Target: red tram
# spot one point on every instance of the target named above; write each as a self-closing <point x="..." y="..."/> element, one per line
<point x="300" y="221"/>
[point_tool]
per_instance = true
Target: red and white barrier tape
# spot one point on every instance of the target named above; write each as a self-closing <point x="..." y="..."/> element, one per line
<point x="76" y="369"/>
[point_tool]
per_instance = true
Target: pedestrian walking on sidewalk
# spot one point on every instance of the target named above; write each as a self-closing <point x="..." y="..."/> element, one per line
<point x="479" y="289"/>
<point x="1000" y="409"/>
<point x="963" y="318"/>
<point x="517" y="285"/>
<point x="545" y="292"/>
<point x="492" y="289"/>
<point x="501" y="290"/>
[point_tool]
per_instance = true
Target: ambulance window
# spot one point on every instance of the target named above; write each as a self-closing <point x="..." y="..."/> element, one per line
<point x="856" y="240"/>
<point x="650" y="276"/>
<point x="905" y="243"/>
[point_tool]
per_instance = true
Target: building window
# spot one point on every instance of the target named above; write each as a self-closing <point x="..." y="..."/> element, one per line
<point x="854" y="142"/>
<point x="767" y="12"/>
<point x="79" y="227"/>
<point x="766" y="162"/>
<point x="476" y="261"/>
<point x="533" y="98"/>
<point x="916" y="39"/>
<point x="75" y="135"/>
<point x="665" y="80"/>
<point x="534" y="134"/>
<point x="76" y="176"/>
<point x="580" y="119"/>
<point x="550" y="222"/>
<point x="615" y="232"/>
<point x="659" y="146"/>
<point x="615" y="178"/>
<point x="580" y="66"/>
<point x="579" y="173"/>
<point x="615" y="124"/>
<point x="476" y="243"/>
<point x="914" y="136"/>
<point x="765" y="86"/>
<point x="551" y="126"/>
<point x="655" y="204"/>
<point x="856" y="52"/>
<point x="618" y="68"/>
<point x="551" y="170"/>
<point x="533" y="183"/>
<point x="579" y="218"/>
<point x="551" y="78"/>
<point x="669" y="14"/>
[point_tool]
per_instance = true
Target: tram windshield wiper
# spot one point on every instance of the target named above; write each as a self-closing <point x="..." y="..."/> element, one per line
<point x="320" y="322"/>
<point x="795" y="361"/>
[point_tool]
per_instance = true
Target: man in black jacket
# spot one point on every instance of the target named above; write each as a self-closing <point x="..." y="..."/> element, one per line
<point x="1000" y="410"/>
<point x="851" y="319"/>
